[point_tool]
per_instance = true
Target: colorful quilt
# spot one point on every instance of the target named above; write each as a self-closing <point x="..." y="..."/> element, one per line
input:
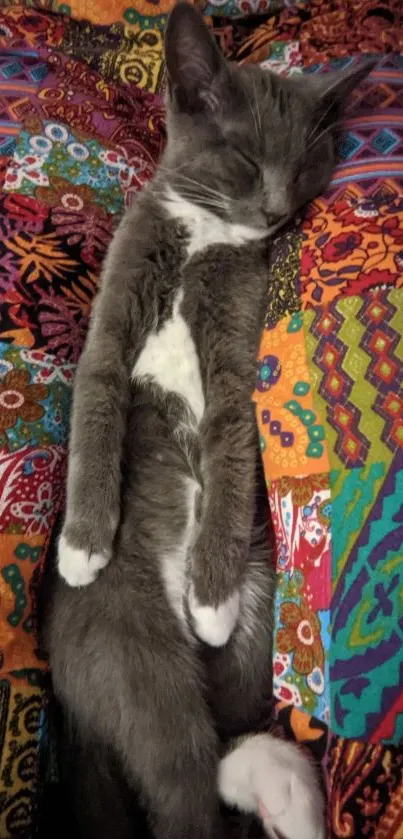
<point x="80" y="133"/>
<point x="74" y="148"/>
<point x="329" y="398"/>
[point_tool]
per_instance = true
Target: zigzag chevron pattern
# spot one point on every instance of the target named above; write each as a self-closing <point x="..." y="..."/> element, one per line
<point x="355" y="350"/>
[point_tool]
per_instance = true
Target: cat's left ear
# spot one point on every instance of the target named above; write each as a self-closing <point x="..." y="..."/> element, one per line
<point x="197" y="71"/>
<point x="334" y="89"/>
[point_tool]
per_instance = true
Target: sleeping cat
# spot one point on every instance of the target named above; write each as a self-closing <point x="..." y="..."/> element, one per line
<point x="159" y="552"/>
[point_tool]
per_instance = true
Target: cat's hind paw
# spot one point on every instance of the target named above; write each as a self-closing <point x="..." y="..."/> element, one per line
<point x="277" y="782"/>
<point x="214" y="626"/>
<point x="79" y="567"/>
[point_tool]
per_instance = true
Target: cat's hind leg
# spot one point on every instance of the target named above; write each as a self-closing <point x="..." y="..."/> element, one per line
<point x="273" y="779"/>
<point x="139" y="690"/>
<point x="98" y="801"/>
<point x="260" y="773"/>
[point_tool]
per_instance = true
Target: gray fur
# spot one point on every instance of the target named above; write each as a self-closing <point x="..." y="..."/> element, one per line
<point x="137" y="687"/>
<point x="148" y="704"/>
<point x="266" y="142"/>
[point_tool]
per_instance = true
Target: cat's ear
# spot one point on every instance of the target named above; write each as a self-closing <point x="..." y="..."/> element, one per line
<point x="332" y="90"/>
<point x="196" y="69"/>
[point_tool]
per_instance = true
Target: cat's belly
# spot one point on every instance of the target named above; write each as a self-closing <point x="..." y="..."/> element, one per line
<point x="173" y="562"/>
<point x="170" y="358"/>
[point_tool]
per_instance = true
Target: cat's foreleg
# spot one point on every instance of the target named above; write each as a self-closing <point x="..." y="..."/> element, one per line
<point x="220" y="552"/>
<point x="98" y="425"/>
<point x="99" y="417"/>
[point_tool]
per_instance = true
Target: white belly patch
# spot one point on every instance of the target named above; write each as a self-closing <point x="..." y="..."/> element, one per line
<point x="170" y="358"/>
<point x="173" y="562"/>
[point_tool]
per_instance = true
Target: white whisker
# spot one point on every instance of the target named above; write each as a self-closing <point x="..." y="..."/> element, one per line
<point x="206" y="200"/>
<point x="320" y="135"/>
<point x="258" y="114"/>
<point x="201" y="186"/>
<point x="326" y="111"/>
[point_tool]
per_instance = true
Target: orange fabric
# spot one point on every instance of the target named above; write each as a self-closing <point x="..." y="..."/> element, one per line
<point x="111" y="11"/>
<point x="286" y="343"/>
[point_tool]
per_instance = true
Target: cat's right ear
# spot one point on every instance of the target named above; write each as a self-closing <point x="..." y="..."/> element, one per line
<point x="197" y="71"/>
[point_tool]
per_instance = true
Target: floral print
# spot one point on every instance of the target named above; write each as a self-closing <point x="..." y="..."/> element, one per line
<point x="81" y="148"/>
<point x="341" y="246"/>
<point x="300" y="636"/>
<point x="354" y="246"/>
<point x="302" y="489"/>
<point x="34" y="409"/>
<point x="62" y="191"/>
<point x="19" y="399"/>
<point x="55" y="153"/>
<point x="301" y="513"/>
<point x="62" y="194"/>
<point x="39" y="256"/>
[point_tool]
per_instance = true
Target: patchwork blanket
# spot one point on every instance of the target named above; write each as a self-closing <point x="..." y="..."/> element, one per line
<point x="80" y="132"/>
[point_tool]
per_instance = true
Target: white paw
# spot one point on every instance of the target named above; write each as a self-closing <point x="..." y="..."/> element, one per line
<point x="214" y="626"/>
<point x="78" y="567"/>
<point x="277" y="782"/>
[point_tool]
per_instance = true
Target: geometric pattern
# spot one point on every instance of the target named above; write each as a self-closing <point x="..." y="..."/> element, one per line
<point x="351" y="292"/>
<point x="335" y="388"/>
<point x="356" y="355"/>
<point x="352" y="308"/>
<point x="348" y="364"/>
<point x="385" y="371"/>
<point x="20" y="76"/>
<point x="372" y="147"/>
<point x="366" y="793"/>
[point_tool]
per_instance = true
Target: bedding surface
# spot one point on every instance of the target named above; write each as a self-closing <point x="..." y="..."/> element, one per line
<point x="81" y="130"/>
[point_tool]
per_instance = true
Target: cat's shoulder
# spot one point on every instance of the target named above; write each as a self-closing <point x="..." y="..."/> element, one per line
<point x="147" y="232"/>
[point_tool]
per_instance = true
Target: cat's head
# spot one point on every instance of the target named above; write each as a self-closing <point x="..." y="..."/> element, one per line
<point x="249" y="145"/>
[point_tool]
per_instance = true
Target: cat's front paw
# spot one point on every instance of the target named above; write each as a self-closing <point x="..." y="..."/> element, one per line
<point x="77" y="566"/>
<point x="212" y="625"/>
<point x="277" y="782"/>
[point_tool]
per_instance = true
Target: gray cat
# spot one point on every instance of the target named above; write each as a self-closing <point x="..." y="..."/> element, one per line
<point x="161" y="513"/>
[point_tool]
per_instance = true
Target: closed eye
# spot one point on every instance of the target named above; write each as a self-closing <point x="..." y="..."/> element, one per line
<point x="305" y="172"/>
<point x="246" y="158"/>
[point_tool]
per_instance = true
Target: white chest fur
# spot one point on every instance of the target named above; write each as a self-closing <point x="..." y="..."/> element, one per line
<point x="205" y="228"/>
<point x="170" y="358"/>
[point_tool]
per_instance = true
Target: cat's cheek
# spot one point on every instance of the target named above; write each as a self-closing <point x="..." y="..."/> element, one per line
<point x="212" y="625"/>
<point x="79" y="567"/>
